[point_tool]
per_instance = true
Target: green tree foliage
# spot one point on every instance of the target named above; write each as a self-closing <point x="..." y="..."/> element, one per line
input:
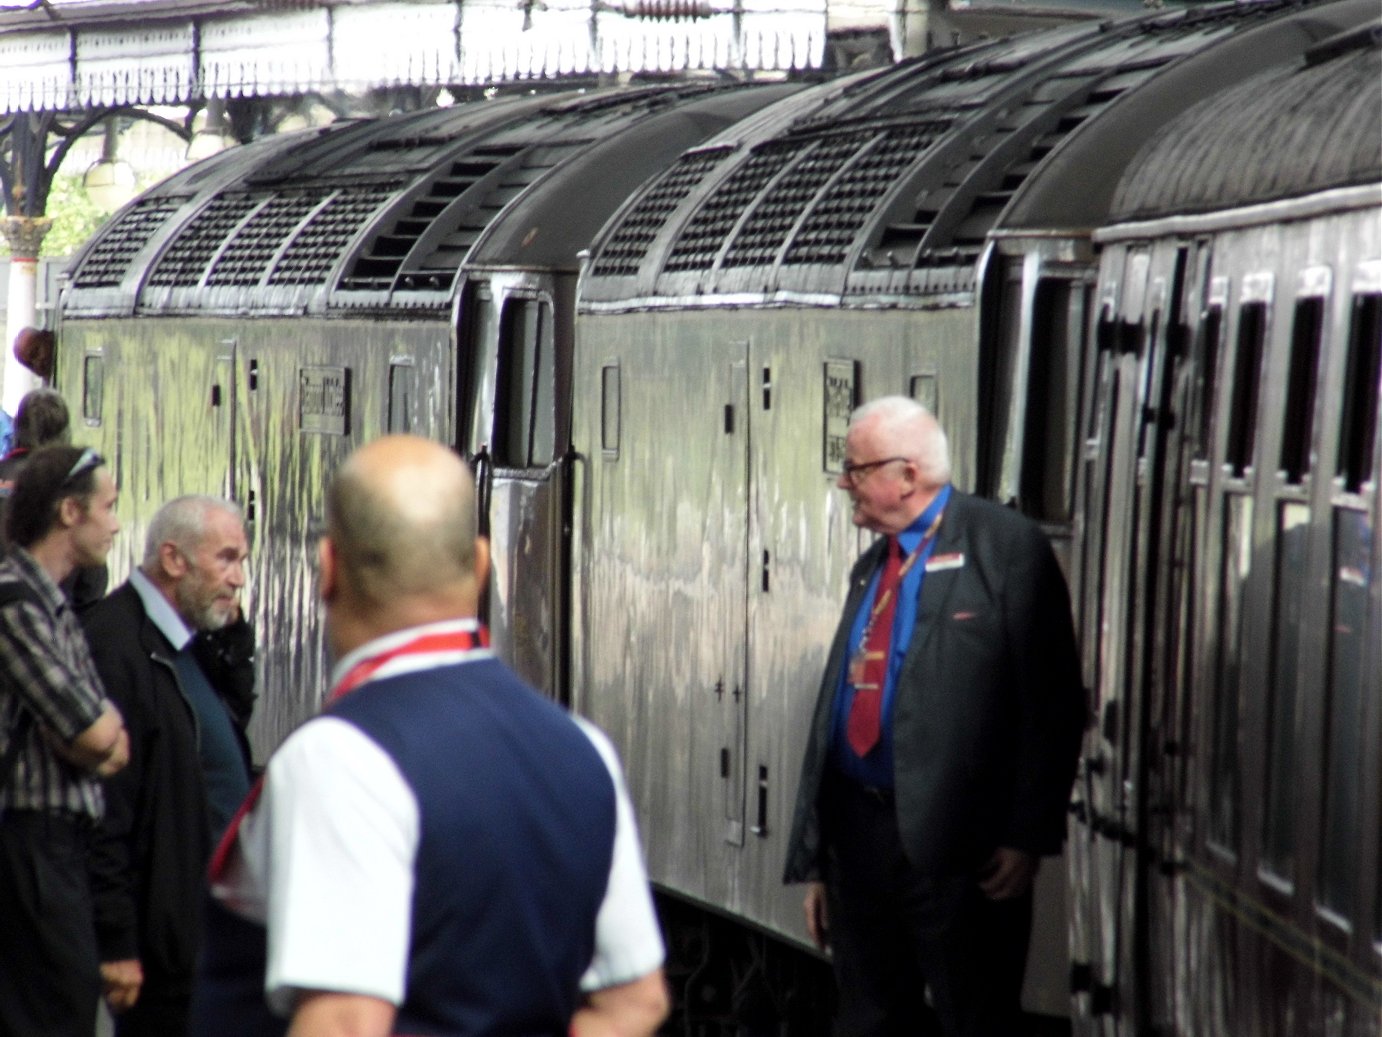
<point x="75" y="216"/>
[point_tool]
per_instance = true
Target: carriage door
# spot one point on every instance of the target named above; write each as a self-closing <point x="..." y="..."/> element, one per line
<point x="1193" y="335"/>
<point x="1152" y="725"/>
<point x="1114" y="551"/>
<point x="518" y="462"/>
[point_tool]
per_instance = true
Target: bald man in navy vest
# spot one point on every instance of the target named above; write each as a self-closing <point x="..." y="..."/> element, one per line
<point x="442" y="850"/>
<point x="943" y="746"/>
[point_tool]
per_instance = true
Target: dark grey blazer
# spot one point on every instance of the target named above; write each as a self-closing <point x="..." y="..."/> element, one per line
<point x="990" y="707"/>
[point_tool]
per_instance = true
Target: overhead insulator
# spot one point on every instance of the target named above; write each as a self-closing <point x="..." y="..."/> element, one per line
<point x="668" y="10"/>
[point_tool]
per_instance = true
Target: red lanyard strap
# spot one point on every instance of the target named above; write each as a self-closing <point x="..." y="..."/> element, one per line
<point x="424" y="644"/>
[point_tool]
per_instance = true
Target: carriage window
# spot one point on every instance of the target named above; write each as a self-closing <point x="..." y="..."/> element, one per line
<point x="1247" y="371"/>
<point x="1344" y="704"/>
<point x="1292" y="582"/>
<point x="609" y="410"/>
<point x="93" y="387"/>
<point x="1358" y="431"/>
<point x="1103" y="343"/>
<point x="524" y="398"/>
<point x="1307" y="332"/>
<point x="1058" y="327"/>
<point x="1207" y="383"/>
<point x="1226" y="783"/>
<point x="402" y="396"/>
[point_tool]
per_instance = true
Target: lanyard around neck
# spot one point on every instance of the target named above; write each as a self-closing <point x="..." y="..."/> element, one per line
<point x="884" y="593"/>
<point x="424" y="644"/>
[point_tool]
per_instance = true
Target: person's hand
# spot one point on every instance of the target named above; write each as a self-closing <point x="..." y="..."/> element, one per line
<point x="1008" y="873"/>
<point x="817" y="916"/>
<point x="118" y="758"/>
<point x="120" y="981"/>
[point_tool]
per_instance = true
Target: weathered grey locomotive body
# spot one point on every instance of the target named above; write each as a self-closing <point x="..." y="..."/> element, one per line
<point x="241" y="327"/>
<point x="1134" y="266"/>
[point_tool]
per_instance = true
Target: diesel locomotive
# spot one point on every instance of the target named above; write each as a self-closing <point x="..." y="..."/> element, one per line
<point x="1134" y="266"/>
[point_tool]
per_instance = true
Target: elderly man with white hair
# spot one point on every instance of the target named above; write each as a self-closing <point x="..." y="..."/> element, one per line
<point x="943" y="745"/>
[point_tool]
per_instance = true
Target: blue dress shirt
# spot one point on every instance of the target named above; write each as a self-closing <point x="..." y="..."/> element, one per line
<point x="876" y="769"/>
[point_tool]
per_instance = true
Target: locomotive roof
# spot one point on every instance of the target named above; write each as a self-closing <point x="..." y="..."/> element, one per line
<point x="381" y="213"/>
<point x="1310" y="125"/>
<point x="891" y="191"/>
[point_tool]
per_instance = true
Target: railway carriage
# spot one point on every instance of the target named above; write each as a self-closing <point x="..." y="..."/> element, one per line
<point x="244" y="325"/>
<point x="1229" y="472"/>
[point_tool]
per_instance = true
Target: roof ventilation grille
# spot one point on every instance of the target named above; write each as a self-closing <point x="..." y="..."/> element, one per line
<point x="383" y="257"/>
<point x="829" y="231"/>
<point x="248" y="254"/>
<point x="762" y="235"/>
<point x="184" y="263"/>
<point x="701" y="239"/>
<point x="527" y="164"/>
<point x="317" y="248"/>
<point x="106" y="263"/>
<point x="624" y="253"/>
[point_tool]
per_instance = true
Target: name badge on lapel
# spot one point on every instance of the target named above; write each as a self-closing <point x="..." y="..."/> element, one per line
<point x="938" y="563"/>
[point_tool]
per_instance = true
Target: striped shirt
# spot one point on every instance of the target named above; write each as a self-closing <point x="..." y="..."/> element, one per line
<point x="45" y="665"/>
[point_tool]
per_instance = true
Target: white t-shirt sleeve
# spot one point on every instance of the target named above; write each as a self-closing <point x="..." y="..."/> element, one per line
<point x="628" y="941"/>
<point x="340" y="826"/>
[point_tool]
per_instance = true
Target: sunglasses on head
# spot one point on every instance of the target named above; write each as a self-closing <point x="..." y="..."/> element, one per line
<point x="87" y="461"/>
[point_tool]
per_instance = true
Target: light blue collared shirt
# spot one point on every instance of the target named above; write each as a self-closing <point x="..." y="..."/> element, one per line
<point x="160" y="612"/>
<point x="223" y="765"/>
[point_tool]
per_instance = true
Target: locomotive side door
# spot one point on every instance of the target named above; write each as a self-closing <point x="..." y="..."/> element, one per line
<point x="734" y="696"/>
<point x="514" y="356"/>
<point x="662" y="427"/>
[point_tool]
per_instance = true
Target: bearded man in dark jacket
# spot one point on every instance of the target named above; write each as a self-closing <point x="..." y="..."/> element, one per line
<point x="170" y="646"/>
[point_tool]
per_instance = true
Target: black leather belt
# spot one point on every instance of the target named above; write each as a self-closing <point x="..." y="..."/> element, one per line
<point x="871" y="793"/>
<point x="884" y="796"/>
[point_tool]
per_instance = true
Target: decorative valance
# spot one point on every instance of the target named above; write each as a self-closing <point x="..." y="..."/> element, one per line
<point x="166" y="54"/>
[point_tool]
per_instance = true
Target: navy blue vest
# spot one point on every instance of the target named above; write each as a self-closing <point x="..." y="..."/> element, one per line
<point x="517" y="833"/>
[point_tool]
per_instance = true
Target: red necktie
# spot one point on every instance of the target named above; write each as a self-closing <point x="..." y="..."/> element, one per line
<point x="869" y="671"/>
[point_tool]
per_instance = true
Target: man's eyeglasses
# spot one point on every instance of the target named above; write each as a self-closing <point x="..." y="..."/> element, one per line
<point x="857" y="473"/>
<point x="88" y="460"/>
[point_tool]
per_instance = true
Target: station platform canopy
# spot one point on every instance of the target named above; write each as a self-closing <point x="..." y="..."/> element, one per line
<point x="64" y="54"/>
<point x="58" y="55"/>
